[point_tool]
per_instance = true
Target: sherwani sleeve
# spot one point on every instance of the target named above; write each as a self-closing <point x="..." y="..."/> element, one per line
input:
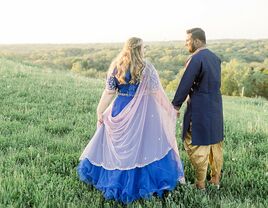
<point x="191" y="72"/>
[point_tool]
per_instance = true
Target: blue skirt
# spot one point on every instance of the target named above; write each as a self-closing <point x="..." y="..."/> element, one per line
<point x="129" y="185"/>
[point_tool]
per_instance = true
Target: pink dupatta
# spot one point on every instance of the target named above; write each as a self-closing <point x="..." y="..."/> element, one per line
<point x="143" y="132"/>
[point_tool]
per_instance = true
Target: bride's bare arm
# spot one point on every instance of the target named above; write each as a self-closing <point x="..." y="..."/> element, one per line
<point x="106" y="98"/>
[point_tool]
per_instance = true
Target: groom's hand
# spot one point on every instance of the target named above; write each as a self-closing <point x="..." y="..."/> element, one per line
<point x="178" y="113"/>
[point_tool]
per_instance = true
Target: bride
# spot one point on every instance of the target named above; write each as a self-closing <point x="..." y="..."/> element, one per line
<point x="133" y="153"/>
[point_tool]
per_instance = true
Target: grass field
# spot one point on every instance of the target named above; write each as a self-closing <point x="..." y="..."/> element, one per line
<point x="48" y="116"/>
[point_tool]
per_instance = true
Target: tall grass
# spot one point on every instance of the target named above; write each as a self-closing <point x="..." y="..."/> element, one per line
<point x="47" y="117"/>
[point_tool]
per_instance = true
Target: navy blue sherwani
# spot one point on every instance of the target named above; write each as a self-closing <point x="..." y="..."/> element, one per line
<point x="202" y="81"/>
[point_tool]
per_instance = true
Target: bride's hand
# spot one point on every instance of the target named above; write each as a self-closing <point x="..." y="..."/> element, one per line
<point x="178" y="113"/>
<point x="100" y="119"/>
<point x="177" y="109"/>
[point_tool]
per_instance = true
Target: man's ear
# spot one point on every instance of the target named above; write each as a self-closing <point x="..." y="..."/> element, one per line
<point x="197" y="42"/>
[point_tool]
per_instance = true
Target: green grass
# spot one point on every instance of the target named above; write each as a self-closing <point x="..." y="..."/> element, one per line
<point x="48" y="116"/>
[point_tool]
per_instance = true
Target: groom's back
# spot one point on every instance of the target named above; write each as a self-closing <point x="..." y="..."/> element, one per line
<point x="209" y="79"/>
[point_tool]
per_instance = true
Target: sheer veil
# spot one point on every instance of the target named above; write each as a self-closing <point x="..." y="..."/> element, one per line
<point x="143" y="132"/>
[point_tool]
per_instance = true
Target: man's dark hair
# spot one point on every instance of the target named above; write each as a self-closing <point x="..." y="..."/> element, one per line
<point x="197" y="33"/>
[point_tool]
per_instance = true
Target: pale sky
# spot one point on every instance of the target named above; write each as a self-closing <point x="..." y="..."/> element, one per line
<point x="87" y="21"/>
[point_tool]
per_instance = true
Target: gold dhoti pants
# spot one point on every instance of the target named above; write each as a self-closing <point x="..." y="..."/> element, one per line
<point x="201" y="156"/>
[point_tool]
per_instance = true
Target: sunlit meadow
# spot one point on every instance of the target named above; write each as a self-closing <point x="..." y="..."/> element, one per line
<point x="47" y="117"/>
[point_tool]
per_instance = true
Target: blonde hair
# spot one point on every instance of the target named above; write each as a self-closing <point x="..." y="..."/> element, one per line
<point x="131" y="57"/>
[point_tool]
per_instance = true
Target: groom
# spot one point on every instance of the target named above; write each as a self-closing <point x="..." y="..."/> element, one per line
<point x="203" y="119"/>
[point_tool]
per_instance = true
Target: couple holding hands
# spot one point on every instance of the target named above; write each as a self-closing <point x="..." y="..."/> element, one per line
<point x="133" y="153"/>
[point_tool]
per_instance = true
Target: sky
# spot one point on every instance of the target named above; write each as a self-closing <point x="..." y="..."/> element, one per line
<point x="90" y="21"/>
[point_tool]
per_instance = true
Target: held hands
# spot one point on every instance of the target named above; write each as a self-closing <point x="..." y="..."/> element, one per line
<point x="177" y="109"/>
<point x="178" y="113"/>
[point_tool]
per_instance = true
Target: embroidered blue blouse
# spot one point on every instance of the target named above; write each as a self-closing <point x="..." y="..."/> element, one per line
<point x="125" y="92"/>
<point x="128" y="89"/>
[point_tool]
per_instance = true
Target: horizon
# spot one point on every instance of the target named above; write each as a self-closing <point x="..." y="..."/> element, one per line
<point x="122" y="42"/>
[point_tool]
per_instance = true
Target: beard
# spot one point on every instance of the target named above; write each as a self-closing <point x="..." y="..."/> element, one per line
<point x="192" y="49"/>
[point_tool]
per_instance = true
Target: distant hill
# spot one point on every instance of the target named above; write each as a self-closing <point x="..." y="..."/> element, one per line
<point x="244" y="61"/>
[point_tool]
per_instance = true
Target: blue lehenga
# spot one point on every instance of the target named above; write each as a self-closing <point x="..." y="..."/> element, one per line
<point x="140" y="182"/>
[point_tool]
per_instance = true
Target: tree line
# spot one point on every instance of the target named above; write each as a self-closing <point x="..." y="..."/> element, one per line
<point x="244" y="62"/>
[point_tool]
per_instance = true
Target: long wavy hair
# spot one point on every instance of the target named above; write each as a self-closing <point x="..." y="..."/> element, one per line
<point x="131" y="57"/>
